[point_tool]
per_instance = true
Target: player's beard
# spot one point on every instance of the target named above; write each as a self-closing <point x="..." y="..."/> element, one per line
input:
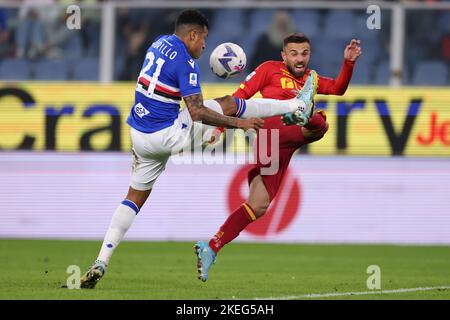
<point x="296" y="73"/>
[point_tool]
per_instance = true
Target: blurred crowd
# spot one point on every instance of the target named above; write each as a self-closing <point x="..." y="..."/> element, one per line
<point x="38" y="29"/>
<point x="34" y="35"/>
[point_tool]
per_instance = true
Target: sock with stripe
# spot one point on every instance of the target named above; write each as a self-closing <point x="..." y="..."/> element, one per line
<point x="120" y="223"/>
<point x="263" y="108"/>
<point x="232" y="227"/>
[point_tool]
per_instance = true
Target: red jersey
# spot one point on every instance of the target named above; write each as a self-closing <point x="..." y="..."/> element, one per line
<point x="273" y="80"/>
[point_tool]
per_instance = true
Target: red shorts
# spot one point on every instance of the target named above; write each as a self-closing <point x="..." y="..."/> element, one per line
<point x="290" y="139"/>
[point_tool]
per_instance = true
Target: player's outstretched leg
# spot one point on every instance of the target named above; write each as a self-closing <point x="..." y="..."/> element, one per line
<point x="207" y="251"/>
<point x="306" y="96"/>
<point x="93" y="275"/>
<point x="205" y="259"/>
<point x="121" y="221"/>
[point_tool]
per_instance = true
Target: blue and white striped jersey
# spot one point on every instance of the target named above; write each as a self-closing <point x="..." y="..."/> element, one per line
<point x="168" y="74"/>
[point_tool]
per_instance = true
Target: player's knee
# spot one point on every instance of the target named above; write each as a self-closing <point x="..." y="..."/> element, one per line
<point x="260" y="208"/>
<point x="319" y="134"/>
<point x="137" y="196"/>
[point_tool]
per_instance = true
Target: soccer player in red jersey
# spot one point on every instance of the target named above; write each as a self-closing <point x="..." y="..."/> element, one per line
<point x="277" y="80"/>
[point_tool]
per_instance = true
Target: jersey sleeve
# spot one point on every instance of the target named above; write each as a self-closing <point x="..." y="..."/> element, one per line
<point x="339" y="85"/>
<point x="254" y="82"/>
<point x="188" y="76"/>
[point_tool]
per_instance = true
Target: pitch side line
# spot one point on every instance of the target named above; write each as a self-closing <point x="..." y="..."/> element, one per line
<point x="361" y="293"/>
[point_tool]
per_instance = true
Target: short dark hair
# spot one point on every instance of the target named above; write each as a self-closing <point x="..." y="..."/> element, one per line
<point x="191" y="16"/>
<point x="297" y="37"/>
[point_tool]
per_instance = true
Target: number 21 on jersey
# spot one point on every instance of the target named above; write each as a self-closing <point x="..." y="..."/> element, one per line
<point x="159" y="63"/>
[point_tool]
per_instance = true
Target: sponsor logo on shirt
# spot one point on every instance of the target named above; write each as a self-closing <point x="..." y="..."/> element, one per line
<point x="140" y="110"/>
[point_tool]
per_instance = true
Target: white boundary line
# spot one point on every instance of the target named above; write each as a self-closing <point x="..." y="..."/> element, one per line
<point x="361" y="293"/>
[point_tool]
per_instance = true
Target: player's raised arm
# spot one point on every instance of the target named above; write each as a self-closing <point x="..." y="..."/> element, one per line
<point x="339" y="85"/>
<point x="352" y="50"/>
<point x="199" y="112"/>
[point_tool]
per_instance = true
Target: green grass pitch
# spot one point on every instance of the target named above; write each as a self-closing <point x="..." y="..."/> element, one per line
<point x="36" y="269"/>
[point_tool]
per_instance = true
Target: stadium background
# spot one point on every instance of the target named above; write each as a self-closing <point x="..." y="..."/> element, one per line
<point x="381" y="175"/>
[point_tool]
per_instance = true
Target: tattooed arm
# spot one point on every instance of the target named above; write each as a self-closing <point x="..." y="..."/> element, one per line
<point x="199" y="112"/>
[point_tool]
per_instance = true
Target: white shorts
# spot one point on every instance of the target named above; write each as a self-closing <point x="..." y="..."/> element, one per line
<point x="151" y="151"/>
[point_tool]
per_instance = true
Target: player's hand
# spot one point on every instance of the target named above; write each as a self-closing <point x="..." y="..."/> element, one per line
<point x="250" y="123"/>
<point x="352" y="50"/>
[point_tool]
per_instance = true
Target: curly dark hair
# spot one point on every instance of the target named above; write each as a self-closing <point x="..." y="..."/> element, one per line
<point x="193" y="17"/>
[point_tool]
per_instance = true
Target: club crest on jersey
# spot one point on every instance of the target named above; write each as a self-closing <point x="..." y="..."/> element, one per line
<point x="193" y="79"/>
<point x="140" y="110"/>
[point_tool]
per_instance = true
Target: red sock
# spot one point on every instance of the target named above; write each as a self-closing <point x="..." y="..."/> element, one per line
<point x="235" y="223"/>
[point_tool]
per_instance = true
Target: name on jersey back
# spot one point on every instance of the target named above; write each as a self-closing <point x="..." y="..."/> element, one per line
<point x="164" y="47"/>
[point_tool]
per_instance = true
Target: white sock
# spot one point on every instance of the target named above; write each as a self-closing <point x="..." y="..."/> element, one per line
<point x="263" y="108"/>
<point x="120" y="223"/>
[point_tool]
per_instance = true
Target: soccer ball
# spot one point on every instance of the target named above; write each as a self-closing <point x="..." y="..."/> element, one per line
<point x="227" y="60"/>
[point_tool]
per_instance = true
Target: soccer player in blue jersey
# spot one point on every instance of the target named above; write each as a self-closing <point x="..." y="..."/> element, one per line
<point x="159" y="129"/>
